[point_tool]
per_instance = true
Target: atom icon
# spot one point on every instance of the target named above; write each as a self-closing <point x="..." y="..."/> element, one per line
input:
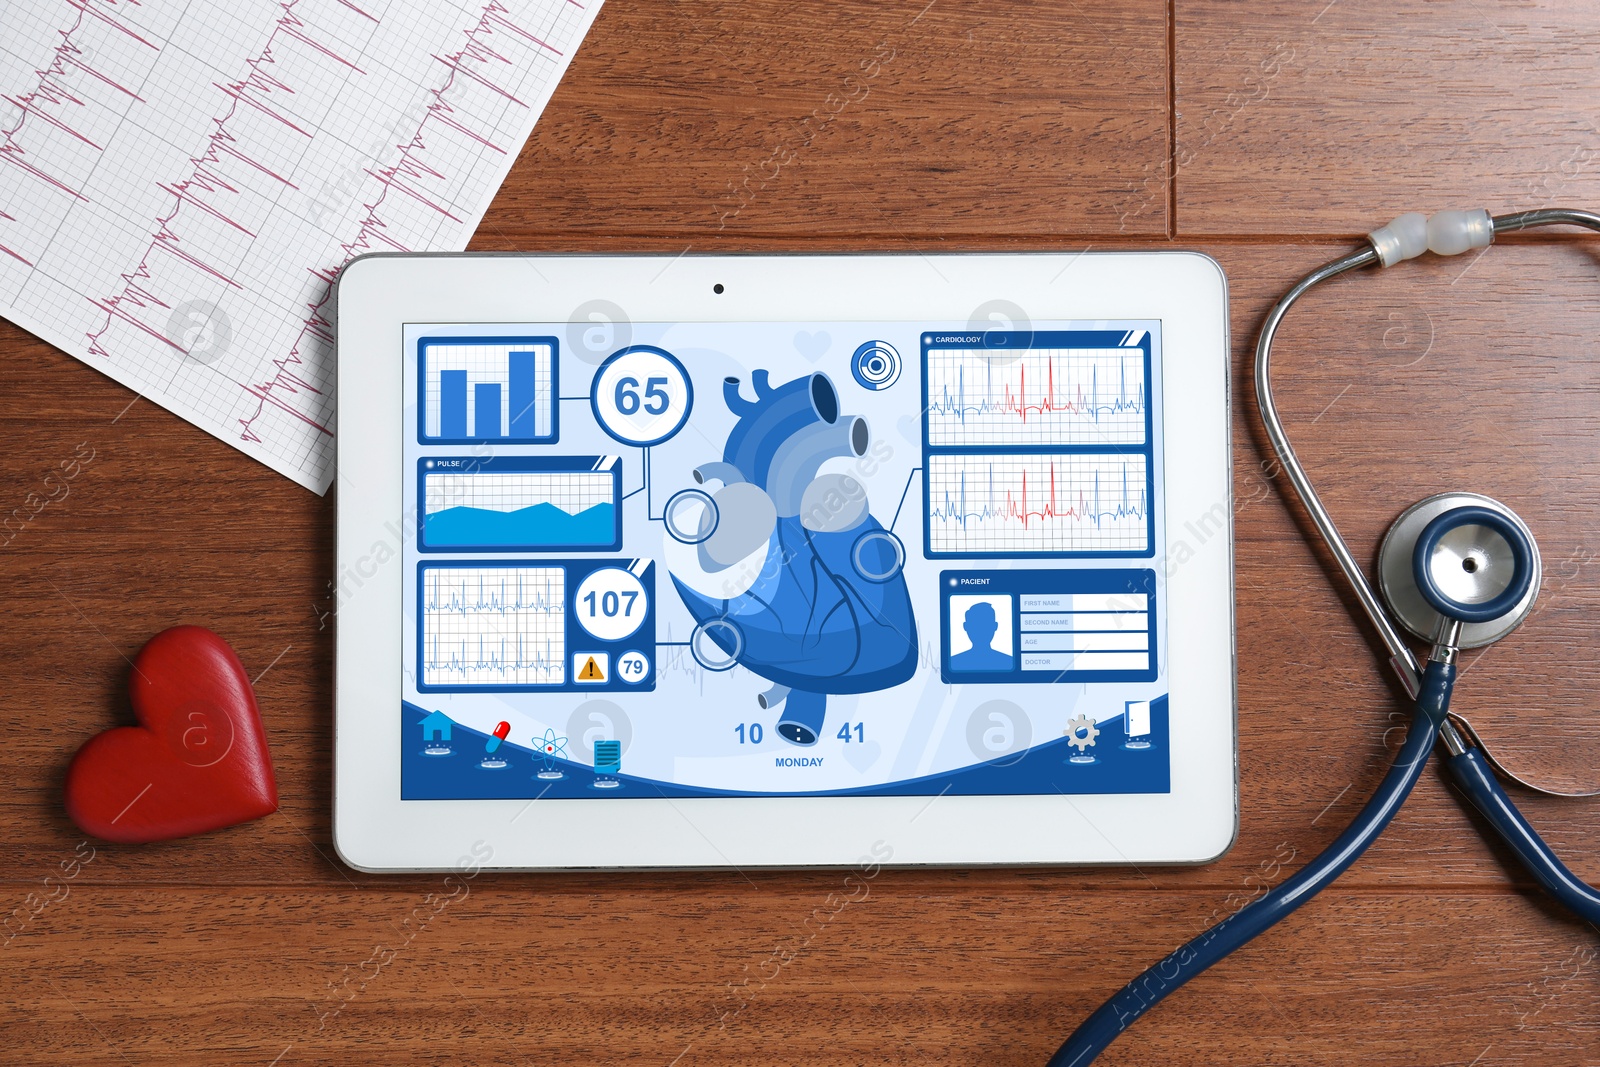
<point x="550" y="744"/>
<point x="551" y="747"/>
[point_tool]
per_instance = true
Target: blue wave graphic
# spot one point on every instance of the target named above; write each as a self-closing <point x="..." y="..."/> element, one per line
<point x="542" y="525"/>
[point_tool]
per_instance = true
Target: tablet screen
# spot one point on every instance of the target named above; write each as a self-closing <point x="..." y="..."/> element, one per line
<point x="780" y="558"/>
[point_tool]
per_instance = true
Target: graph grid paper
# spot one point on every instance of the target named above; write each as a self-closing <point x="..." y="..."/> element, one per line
<point x="180" y="182"/>
<point x="493" y="626"/>
<point x="998" y="503"/>
<point x="1041" y="397"/>
<point x="571" y="491"/>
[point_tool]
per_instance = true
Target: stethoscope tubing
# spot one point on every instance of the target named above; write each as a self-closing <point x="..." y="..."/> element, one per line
<point x="1431" y="686"/>
<point x="1466" y="764"/>
<point x="1151" y="987"/>
<point x="1401" y="659"/>
<point x="1472" y="773"/>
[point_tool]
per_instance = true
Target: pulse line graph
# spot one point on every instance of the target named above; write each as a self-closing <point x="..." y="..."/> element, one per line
<point x="1040" y="397"/>
<point x="1004" y="504"/>
<point x="254" y="91"/>
<point x="1012" y="467"/>
<point x="493" y="626"/>
<point x="179" y="231"/>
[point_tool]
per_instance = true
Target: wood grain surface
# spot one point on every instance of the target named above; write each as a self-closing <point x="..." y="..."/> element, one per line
<point x="1268" y="138"/>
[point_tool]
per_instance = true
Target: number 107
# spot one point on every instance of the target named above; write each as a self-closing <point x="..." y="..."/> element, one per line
<point x="611" y="602"/>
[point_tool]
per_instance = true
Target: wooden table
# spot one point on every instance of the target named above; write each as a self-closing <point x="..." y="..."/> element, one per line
<point x="1270" y="139"/>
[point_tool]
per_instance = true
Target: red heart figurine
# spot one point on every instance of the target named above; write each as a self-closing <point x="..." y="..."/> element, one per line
<point x="198" y="759"/>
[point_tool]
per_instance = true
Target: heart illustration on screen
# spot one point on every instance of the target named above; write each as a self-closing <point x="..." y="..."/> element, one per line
<point x="198" y="759"/>
<point x="785" y="569"/>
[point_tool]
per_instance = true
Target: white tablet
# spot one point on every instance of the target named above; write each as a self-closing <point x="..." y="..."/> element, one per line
<point x="696" y="561"/>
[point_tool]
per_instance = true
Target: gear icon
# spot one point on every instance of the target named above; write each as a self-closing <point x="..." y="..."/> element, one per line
<point x="1084" y="726"/>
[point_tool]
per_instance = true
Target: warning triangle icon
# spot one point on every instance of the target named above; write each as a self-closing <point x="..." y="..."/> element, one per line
<point x="591" y="672"/>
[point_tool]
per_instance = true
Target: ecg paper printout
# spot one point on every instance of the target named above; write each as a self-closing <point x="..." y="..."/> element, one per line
<point x="180" y="181"/>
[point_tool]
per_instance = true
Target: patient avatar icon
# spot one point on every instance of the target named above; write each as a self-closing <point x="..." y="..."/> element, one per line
<point x="784" y="568"/>
<point x="981" y="636"/>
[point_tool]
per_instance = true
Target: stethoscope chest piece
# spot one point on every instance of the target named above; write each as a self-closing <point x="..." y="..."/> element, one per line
<point x="1463" y="555"/>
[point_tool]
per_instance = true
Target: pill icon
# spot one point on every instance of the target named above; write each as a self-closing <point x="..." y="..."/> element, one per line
<point x="500" y="733"/>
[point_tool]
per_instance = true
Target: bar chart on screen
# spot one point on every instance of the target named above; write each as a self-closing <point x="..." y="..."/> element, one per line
<point x="488" y="389"/>
<point x="185" y="180"/>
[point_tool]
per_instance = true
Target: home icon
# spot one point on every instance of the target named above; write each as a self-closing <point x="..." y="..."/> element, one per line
<point x="436" y="727"/>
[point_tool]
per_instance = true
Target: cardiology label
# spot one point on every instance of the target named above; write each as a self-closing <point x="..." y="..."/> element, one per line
<point x="780" y="558"/>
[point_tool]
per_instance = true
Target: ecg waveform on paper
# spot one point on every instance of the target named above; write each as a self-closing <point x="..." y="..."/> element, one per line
<point x="493" y="627"/>
<point x="1041" y="397"/>
<point x="181" y="229"/>
<point x="54" y="89"/>
<point x="1000" y="504"/>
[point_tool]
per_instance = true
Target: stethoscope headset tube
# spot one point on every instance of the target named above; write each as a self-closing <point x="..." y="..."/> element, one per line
<point x="1495" y="566"/>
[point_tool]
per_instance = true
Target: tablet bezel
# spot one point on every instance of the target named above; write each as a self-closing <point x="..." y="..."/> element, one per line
<point x="374" y="830"/>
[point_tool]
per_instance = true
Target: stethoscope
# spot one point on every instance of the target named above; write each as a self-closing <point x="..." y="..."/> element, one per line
<point x="1458" y="570"/>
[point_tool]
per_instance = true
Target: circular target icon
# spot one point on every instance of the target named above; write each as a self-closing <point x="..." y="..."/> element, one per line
<point x="876" y="365"/>
<point x="878" y="555"/>
<point x="717" y="644"/>
<point x="690" y="516"/>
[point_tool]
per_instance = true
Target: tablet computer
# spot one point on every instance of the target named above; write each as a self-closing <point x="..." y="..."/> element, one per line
<point x="783" y="560"/>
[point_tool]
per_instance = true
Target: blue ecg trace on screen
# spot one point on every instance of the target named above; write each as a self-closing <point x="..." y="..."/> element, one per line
<point x="492" y="626"/>
<point x="527" y="625"/>
<point x="1035" y="397"/>
<point x="1006" y="503"/>
<point x="1038" y="444"/>
<point x="487" y="389"/>
<point x="520" y="503"/>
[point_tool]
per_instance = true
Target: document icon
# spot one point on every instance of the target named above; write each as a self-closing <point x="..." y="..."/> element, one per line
<point x="608" y="757"/>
